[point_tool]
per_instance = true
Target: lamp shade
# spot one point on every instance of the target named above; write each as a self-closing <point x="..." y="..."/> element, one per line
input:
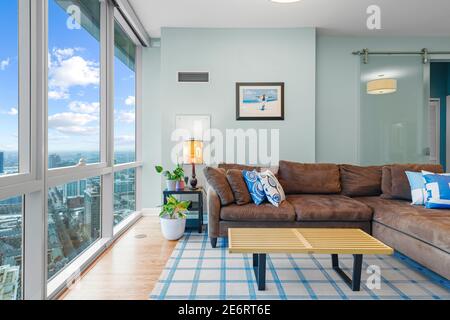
<point x="193" y="152"/>
<point x="382" y="86"/>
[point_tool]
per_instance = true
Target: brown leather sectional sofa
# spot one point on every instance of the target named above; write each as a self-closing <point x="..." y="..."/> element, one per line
<point x="375" y="199"/>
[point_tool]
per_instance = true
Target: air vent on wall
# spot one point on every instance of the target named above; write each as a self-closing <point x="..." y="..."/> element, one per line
<point x="193" y="76"/>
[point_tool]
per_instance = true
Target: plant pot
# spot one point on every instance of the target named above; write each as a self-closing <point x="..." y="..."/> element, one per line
<point x="180" y="185"/>
<point x="171" y="185"/>
<point x="173" y="229"/>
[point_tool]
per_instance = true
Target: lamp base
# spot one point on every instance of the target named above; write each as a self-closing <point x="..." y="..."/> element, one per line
<point x="193" y="183"/>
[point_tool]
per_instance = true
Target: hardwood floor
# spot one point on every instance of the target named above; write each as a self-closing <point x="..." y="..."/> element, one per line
<point x="129" y="269"/>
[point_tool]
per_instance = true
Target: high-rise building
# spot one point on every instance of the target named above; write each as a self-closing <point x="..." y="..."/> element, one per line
<point x="92" y="205"/>
<point x="71" y="189"/>
<point x="82" y="186"/>
<point x="2" y="162"/>
<point x="54" y="161"/>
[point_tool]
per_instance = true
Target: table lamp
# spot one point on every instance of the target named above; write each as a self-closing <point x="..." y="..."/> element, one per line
<point x="193" y="154"/>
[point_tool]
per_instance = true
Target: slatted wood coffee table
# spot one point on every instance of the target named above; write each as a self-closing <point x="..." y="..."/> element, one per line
<point x="263" y="241"/>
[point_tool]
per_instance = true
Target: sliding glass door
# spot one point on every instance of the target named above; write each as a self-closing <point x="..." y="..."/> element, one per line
<point x="394" y="115"/>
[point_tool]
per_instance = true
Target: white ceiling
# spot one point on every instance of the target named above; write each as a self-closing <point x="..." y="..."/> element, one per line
<point x="343" y="17"/>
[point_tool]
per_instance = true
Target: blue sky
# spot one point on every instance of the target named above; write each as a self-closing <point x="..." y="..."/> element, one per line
<point x="8" y="77"/>
<point x="74" y="88"/>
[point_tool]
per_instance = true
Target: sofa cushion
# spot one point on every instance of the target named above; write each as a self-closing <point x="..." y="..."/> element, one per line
<point x="298" y="178"/>
<point x="218" y="181"/>
<point x="359" y="181"/>
<point x="386" y="183"/>
<point x="430" y="226"/>
<point x="263" y="212"/>
<point x="239" y="187"/>
<point x="329" y="208"/>
<point x="400" y="184"/>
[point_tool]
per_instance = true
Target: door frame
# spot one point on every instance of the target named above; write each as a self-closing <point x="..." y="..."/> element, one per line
<point x="438" y="129"/>
<point x="447" y="134"/>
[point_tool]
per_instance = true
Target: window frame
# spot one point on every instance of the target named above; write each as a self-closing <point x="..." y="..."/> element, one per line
<point x="26" y="167"/>
<point x="35" y="178"/>
<point x="138" y="163"/>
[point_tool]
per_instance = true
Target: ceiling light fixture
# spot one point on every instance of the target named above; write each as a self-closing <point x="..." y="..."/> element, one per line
<point x="382" y="86"/>
<point x="285" y="1"/>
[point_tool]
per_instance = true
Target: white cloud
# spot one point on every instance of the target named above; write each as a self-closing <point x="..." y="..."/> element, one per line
<point x="77" y="130"/>
<point x="84" y="107"/>
<point x="124" y="141"/>
<point x="66" y="69"/>
<point x="13" y="112"/>
<point x="126" y="117"/>
<point x="61" y="54"/>
<point x="4" y="64"/>
<point x="58" y="95"/>
<point x="130" y="101"/>
<point x="70" y="119"/>
<point x="70" y="123"/>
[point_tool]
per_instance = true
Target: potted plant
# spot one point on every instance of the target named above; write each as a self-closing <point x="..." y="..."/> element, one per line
<point x="174" y="179"/>
<point x="173" y="218"/>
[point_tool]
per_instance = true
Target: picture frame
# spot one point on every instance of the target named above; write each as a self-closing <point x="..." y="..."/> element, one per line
<point x="260" y="101"/>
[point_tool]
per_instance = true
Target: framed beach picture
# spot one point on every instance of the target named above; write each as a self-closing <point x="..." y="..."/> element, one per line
<point x="260" y="101"/>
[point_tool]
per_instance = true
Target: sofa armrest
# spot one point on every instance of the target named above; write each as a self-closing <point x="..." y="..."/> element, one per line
<point x="214" y="206"/>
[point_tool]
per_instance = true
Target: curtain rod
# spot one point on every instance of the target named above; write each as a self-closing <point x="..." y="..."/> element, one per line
<point x="424" y="53"/>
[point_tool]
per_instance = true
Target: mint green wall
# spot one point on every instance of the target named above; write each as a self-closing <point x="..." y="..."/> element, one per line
<point x="322" y="119"/>
<point x="231" y="55"/>
<point x="338" y="89"/>
<point x="151" y="127"/>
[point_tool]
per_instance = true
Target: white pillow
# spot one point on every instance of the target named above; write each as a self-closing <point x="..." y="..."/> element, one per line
<point x="272" y="188"/>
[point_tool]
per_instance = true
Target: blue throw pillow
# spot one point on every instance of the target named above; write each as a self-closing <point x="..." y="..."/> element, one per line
<point x="254" y="186"/>
<point x="418" y="191"/>
<point x="272" y="188"/>
<point x="438" y="190"/>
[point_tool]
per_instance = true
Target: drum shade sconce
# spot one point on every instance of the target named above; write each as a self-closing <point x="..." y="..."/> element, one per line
<point x="382" y="86"/>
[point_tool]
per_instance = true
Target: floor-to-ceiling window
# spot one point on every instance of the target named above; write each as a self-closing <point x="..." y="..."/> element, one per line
<point x="14" y="142"/>
<point x="124" y="122"/>
<point x="9" y="88"/>
<point x="11" y="217"/>
<point x="74" y="83"/>
<point x="69" y="152"/>
<point x="74" y="116"/>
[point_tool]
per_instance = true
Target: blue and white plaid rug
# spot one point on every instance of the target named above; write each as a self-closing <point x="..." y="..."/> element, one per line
<point x="195" y="271"/>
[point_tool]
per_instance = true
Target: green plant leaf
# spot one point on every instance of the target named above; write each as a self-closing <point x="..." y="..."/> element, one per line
<point x="159" y="169"/>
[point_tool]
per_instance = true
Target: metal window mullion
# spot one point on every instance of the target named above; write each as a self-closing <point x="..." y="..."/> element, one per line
<point x="35" y="204"/>
<point x="24" y="105"/>
<point x="108" y="179"/>
<point x="138" y="125"/>
<point x="103" y="83"/>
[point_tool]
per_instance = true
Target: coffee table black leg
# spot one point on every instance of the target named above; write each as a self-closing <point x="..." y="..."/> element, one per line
<point x="355" y="283"/>
<point x="357" y="269"/>
<point x="259" y="266"/>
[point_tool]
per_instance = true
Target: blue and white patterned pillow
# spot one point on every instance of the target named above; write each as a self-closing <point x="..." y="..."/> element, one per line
<point x="254" y="186"/>
<point x="418" y="191"/>
<point x="438" y="190"/>
<point x="272" y="188"/>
